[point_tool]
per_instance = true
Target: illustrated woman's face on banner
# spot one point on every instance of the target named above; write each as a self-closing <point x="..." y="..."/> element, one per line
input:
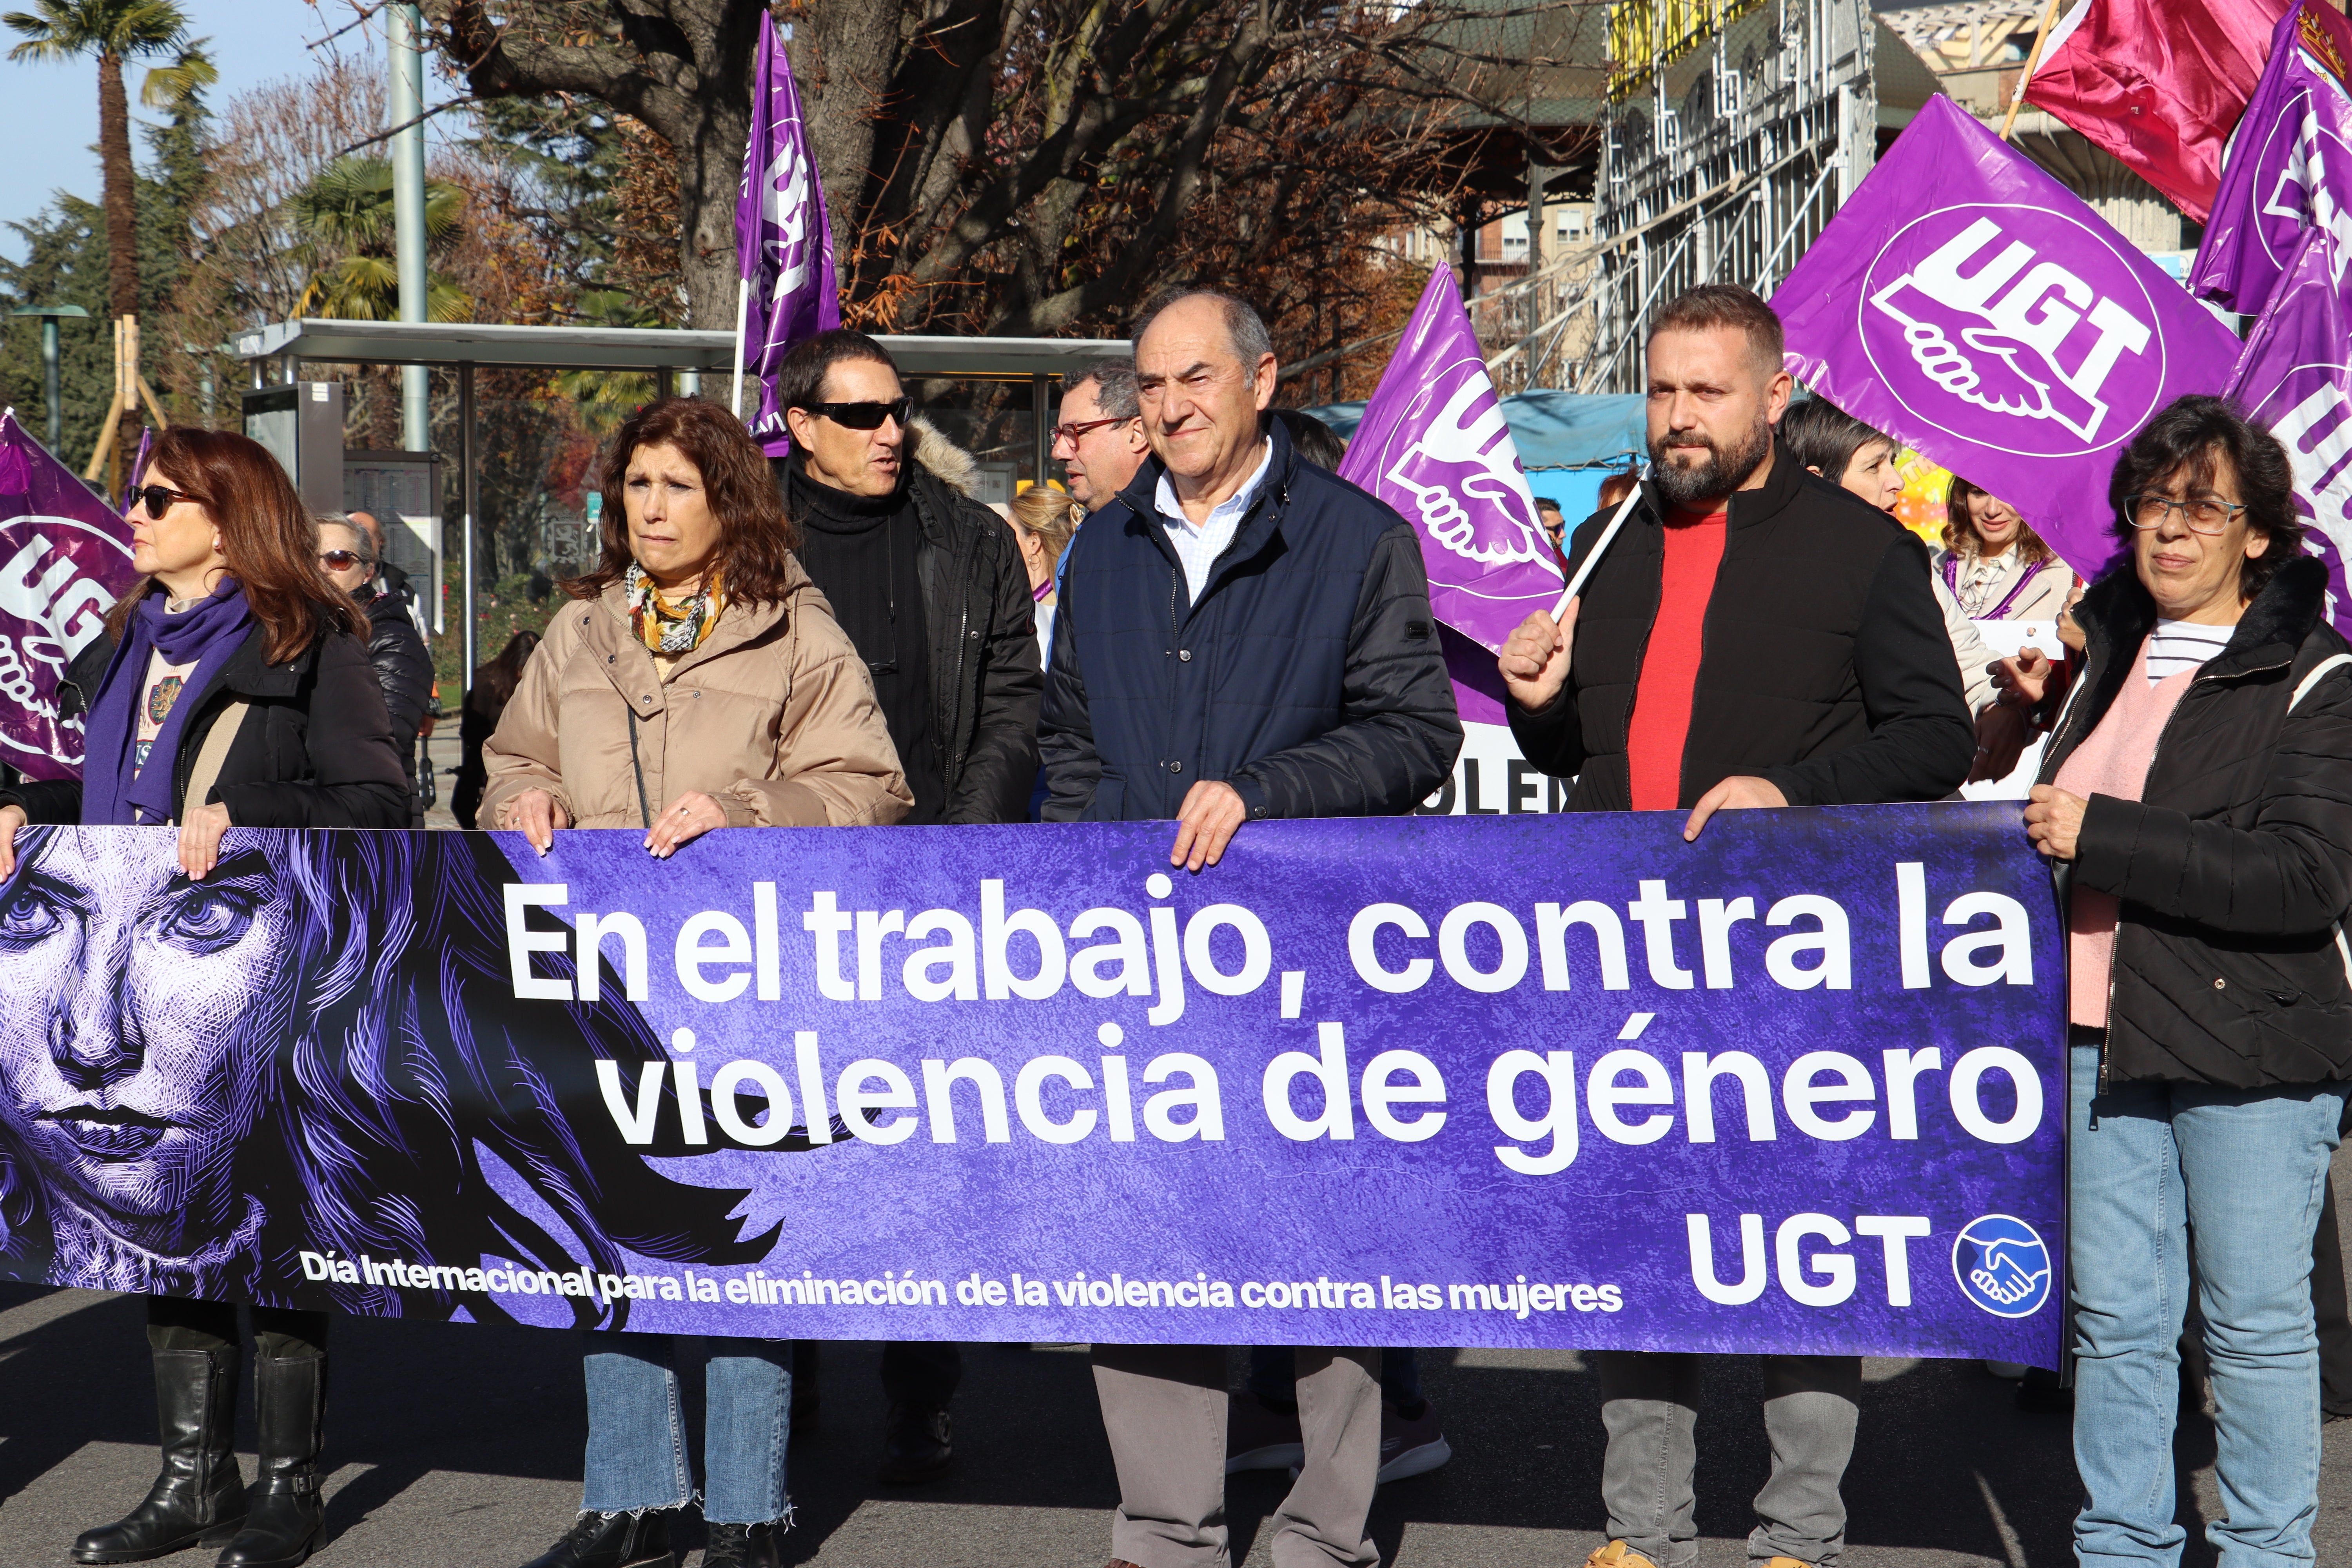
<point x="136" y="1025"/>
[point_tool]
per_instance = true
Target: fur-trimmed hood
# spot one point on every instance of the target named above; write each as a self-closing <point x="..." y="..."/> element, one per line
<point x="949" y="463"/>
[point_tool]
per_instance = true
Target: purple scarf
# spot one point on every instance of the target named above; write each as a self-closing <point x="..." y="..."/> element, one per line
<point x="114" y="791"/>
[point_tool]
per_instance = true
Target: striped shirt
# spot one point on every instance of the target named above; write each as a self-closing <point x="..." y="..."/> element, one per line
<point x="2176" y="646"/>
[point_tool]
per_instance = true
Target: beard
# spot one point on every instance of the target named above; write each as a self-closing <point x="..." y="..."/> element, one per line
<point x="1722" y="472"/>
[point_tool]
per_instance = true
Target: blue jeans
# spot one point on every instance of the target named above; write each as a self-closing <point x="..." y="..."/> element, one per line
<point x="636" y="1428"/>
<point x="2152" y="1164"/>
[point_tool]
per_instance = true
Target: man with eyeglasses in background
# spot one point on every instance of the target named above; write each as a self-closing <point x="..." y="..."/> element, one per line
<point x="929" y="584"/>
<point x="1100" y="442"/>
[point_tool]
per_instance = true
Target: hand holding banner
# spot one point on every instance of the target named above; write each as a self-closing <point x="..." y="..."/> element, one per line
<point x="1975" y="308"/>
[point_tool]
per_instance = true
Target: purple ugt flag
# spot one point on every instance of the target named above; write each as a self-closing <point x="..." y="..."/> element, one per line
<point x="1972" y="307"/>
<point x="2295" y="377"/>
<point x="2290" y="165"/>
<point x="64" y="558"/>
<point x="783" y="242"/>
<point x="1433" y="444"/>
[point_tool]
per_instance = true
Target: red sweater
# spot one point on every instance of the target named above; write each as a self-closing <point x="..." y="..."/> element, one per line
<point x="1662" y="700"/>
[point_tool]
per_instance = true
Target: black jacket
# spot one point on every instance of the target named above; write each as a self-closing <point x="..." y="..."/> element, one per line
<point x="402" y="667"/>
<point x="983" y="625"/>
<point x="1825" y="668"/>
<point x="1308" y="675"/>
<point x="315" y="749"/>
<point x="985" y="682"/>
<point x="2235" y="867"/>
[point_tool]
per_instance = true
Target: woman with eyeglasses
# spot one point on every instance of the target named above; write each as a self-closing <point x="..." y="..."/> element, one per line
<point x="231" y="689"/>
<point x="2197" y="803"/>
<point x="402" y="667"/>
<point x="697" y="683"/>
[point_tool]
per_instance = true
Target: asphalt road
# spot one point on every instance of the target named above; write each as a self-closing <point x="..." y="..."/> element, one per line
<point x="460" y="1444"/>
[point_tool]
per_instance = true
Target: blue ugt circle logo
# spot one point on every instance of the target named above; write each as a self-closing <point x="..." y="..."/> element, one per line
<point x="2002" y="1265"/>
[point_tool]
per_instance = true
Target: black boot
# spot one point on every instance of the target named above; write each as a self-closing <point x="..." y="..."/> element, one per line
<point x="612" y="1540"/>
<point x="917" y="1444"/>
<point x="199" y="1497"/>
<point x="288" y="1515"/>
<point x="740" y="1546"/>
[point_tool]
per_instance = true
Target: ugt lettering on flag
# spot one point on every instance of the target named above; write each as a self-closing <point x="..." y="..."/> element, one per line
<point x="1433" y="444"/>
<point x="1975" y="308"/>
<point x="2290" y="167"/>
<point x="64" y="559"/>
<point x="783" y="242"/>
<point x="2295" y="377"/>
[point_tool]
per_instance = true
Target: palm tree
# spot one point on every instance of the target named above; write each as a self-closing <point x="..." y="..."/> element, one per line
<point x="345" y="217"/>
<point x="115" y="31"/>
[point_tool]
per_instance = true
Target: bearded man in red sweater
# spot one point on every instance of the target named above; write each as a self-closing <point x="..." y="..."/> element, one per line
<point x="1753" y="636"/>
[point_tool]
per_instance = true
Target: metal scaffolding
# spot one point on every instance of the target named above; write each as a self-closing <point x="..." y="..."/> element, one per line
<point x="1735" y="132"/>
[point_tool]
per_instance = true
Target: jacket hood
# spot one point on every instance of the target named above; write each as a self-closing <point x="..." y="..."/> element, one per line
<point x="947" y="462"/>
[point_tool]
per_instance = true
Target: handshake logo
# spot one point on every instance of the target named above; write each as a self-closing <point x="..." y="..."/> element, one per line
<point x="1989" y="322"/>
<point x="2002" y="1265"/>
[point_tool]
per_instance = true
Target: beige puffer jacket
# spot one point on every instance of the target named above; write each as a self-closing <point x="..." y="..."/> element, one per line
<point x="773" y="717"/>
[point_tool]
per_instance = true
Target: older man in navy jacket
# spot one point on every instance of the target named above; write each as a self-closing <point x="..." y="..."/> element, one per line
<point x="1240" y="635"/>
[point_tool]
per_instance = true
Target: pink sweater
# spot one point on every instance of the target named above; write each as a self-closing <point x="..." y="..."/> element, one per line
<point x="2112" y="761"/>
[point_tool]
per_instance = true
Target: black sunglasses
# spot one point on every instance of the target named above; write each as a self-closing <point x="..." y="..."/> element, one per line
<point x="159" y="499"/>
<point x="863" y="416"/>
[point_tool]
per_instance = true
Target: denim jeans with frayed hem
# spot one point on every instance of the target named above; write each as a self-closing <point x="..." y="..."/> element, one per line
<point x="2241" y="1171"/>
<point x="636" y="1428"/>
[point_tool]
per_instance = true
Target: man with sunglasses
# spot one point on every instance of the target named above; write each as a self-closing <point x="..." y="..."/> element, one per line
<point x="930" y="586"/>
<point x="1241" y="636"/>
<point x="1099" y="442"/>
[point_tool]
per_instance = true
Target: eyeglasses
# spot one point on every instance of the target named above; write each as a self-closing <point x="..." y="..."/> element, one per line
<point x="864" y="415"/>
<point x="338" y="560"/>
<point x="1071" y="433"/>
<point x="160" y="498"/>
<point x="2202" y="516"/>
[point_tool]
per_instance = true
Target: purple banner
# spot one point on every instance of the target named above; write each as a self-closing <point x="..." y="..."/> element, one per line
<point x="2289" y="167"/>
<point x="2295" y="377"/>
<point x="784" y="241"/>
<point x="1533" y="1081"/>
<point x="1434" y="446"/>
<point x="64" y="558"/>
<point x="1980" y="311"/>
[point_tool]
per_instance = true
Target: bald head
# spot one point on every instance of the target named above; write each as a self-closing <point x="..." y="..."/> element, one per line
<point x="1204" y="378"/>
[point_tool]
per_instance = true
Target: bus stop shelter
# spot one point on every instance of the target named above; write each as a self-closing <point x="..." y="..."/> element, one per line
<point x="677" y="359"/>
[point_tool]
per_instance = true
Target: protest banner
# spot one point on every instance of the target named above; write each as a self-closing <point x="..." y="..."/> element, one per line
<point x="1798" y="1087"/>
<point x="2295" y="377"/>
<point x="1971" y="305"/>
<point x="2290" y="165"/>
<point x="1433" y="444"/>
<point x="784" y="241"/>
<point x="64" y="558"/>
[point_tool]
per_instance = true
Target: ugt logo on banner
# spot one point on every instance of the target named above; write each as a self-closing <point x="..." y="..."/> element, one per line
<point x="1972" y="307"/>
<point x="2290" y="167"/>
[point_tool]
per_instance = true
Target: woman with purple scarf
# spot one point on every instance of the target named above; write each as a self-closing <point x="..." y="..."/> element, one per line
<point x="232" y="688"/>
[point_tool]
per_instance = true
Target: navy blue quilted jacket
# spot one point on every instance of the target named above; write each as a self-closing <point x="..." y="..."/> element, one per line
<point x="1308" y="675"/>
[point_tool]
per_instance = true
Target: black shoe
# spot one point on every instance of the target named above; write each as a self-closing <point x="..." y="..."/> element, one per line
<point x="740" y="1546"/>
<point x="198" y="1498"/>
<point x="287" y="1515"/>
<point x="919" y="1445"/>
<point x="614" y="1540"/>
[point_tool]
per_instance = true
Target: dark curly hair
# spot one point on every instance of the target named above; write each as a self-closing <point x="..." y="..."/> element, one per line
<point x="2194" y="437"/>
<point x="756" y="540"/>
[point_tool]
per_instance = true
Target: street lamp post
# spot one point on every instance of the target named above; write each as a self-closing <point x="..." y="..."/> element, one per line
<point x="52" y="373"/>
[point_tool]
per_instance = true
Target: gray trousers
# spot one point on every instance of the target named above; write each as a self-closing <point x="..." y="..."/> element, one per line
<point x="1650" y="1405"/>
<point x="1163" y="1408"/>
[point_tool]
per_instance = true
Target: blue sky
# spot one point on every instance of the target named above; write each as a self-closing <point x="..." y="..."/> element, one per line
<point x="50" y="119"/>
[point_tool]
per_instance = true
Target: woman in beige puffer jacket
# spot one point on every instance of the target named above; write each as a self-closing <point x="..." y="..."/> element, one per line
<point x="701" y="681"/>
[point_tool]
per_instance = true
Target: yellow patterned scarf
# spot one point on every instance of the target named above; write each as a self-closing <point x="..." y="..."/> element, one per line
<point x="670" y="629"/>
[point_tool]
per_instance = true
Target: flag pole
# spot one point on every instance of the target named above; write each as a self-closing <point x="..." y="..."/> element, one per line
<point x="743" y="318"/>
<point x="1592" y="559"/>
<point x="2032" y="61"/>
